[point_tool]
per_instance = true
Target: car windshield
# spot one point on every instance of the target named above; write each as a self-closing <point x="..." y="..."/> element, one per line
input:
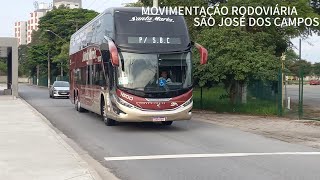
<point x="155" y="72"/>
<point x="61" y="84"/>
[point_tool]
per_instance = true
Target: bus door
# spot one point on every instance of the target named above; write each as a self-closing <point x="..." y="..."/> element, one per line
<point x="98" y="85"/>
<point x="88" y="89"/>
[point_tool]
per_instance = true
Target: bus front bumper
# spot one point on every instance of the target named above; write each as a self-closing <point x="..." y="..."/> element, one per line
<point x="138" y="115"/>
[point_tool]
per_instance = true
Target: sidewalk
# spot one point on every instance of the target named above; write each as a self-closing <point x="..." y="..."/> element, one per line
<point x="293" y="131"/>
<point x="30" y="149"/>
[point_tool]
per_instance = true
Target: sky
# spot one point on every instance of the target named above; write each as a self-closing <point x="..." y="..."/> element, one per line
<point x="18" y="10"/>
<point x="310" y="48"/>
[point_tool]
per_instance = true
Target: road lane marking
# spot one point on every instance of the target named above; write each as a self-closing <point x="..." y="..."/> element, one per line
<point x="180" y="156"/>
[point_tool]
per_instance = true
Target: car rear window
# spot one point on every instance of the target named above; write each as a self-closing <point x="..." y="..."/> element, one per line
<point x="61" y="84"/>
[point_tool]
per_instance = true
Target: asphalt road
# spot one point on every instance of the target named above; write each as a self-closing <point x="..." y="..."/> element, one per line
<point x="311" y="94"/>
<point x="186" y="137"/>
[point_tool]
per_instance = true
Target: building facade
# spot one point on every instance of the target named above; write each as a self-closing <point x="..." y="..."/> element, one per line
<point x="33" y="22"/>
<point x="23" y="29"/>
<point x="20" y="32"/>
<point x="72" y="4"/>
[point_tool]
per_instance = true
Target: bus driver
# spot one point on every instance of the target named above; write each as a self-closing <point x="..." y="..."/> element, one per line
<point x="164" y="76"/>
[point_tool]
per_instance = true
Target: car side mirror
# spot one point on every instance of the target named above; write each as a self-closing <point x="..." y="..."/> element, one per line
<point x="203" y="53"/>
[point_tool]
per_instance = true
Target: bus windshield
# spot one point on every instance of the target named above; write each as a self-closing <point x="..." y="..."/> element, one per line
<point x="155" y="72"/>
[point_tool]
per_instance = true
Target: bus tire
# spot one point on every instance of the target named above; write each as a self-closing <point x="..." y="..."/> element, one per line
<point x="107" y="121"/>
<point x="167" y="123"/>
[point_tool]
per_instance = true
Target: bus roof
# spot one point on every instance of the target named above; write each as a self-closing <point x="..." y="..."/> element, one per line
<point x="126" y="34"/>
<point x="111" y="11"/>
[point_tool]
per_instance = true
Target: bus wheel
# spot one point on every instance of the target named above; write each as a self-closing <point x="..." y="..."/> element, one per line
<point x="107" y="121"/>
<point x="167" y="123"/>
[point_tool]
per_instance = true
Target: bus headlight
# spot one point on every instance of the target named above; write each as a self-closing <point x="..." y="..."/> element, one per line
<point x="188" y="102"/>
<point x="125" y="103"/>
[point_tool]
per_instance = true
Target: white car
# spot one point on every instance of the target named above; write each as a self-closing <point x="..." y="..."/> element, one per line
<point x="59" y="89"/>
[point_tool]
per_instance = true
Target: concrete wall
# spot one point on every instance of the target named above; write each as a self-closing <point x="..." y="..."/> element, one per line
<point x="13" y="44"/>
<point x="3" y="79"/>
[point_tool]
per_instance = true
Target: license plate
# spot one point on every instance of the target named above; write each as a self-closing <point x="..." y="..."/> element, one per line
<point x="64" y="93"/>
<point x="159" y="119"/>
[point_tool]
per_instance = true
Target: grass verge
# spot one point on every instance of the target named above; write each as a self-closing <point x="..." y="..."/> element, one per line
<point x="215" y="99"/>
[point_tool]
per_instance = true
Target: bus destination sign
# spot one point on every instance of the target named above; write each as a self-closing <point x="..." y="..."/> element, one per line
<point x="153" y="40"/>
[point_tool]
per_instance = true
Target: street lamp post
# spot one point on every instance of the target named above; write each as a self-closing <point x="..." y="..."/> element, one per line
<point x="61" y="73"/>
<point x="47" y="30"/>
<point x="49" y="70"/>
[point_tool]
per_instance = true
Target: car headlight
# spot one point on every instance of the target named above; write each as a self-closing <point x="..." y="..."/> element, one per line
<point x="188" y="102"/>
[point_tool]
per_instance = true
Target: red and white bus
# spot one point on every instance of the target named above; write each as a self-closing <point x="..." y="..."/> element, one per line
<point x="116" y="64"/>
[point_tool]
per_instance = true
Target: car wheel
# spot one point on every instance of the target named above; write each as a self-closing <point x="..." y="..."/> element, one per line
<point x="167" y="123"/>
<point x="107" y="121"/>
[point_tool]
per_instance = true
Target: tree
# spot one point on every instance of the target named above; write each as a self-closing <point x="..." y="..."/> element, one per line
<point x="135" y="4"/>
<point x="291" y="58"/>
<point x="316" y="69"/>
<point x="236" y="56"/>
<point x="62" y="58"/>
<point x="22" y="59"/>
<point x="302" y="65"/>
<point x="239" y="54"/>
<point x="62" y="21"/>
<point x="3" y="66"/>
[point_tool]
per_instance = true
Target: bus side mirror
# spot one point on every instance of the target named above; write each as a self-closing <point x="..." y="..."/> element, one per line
<point x="203" y="54"/>
<point x="114" y="55"/>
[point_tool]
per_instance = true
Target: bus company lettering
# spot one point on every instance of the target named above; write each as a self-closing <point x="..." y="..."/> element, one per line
<point x="126" y="96"/>
<point x="90" y="55"/>
<point x="151" y="19"/>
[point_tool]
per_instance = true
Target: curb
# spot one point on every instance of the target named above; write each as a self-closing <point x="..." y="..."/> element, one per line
<point x="96" y="170"/>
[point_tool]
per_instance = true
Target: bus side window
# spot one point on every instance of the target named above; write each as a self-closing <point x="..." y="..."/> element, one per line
<point x="83" y="72"/>
<point x="77" y="76"/>
<point x="89" y="75"/>
<point x="99" y="78"/>
<point x="105" y="55"/>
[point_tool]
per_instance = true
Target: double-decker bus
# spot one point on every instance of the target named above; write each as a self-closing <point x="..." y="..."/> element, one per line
<point x="130" y="67"/>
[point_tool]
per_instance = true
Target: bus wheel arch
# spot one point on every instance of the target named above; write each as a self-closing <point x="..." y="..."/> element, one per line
<point x="106" y="120"/>
<point x="74" y="96"/>
<point x="77" y="103"/>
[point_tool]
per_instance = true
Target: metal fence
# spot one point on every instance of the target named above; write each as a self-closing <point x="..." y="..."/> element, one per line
<point x="254" y="97"/>
<point x="43" y="81"/>
<point x="302" y="100"/>
<point x="295" y="99"/>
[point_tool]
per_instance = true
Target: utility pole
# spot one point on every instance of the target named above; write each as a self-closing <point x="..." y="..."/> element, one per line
<point x="155" y="3"/>
<point x="49" y="83"/>
<point x="300" y="84"/>
<point x="283" y="58"/>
